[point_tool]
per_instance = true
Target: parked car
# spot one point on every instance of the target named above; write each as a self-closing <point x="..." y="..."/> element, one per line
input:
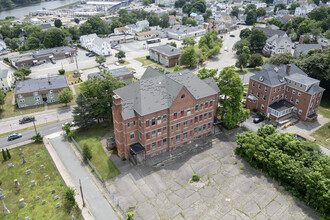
<point x="226" y="49"/>
<point x="26" y="119"/>
<point x="14" y="136"/>
<point x="87" y="54"/>
<point x="105" y="65"/>
<point x="72" y="124"/>
<point x="232" y="35"/>
<point x="258" y="120"/>
<point x="100" y="67"/>
<point x="117" y="63"/>
<point x="91" y="55"/>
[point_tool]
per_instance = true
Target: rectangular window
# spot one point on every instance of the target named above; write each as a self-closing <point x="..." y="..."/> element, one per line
<point x="159" y="120"/>
<point x="188" y="111"/>
<point x="200" y="117"/>
<point x="175" y="115"/>
<point x="288" y="89"/>
<point x="199" y="129"/>
<point x="182" y="113"/>
<point x="159" y="132"/>
<point x="178" y="126"/>
<point x="204" y="127"/>
<point x="148" y="135"/>
<point x="253" y="83"/>
<point x="177" y="138"/>
<point x="185" y="135"/>
<point x="132" y="135"/>
<point x="259" y="86"/>
<point x="153" y="133"/>
<point x="21" y="100"/>
<point x="208" y="125"/>
<point x="196" y="108"/>
<point x="148" y="147"/>
<point x="134" y="123"/>
<point x="273" y="98"/>
<point x="164" y="129"/>
<point x="153" y="121"/>
<point x="172" y="128"/>
<point x="165" y="118"/>
<point x="262" y="106"/>
<point x="36" y="99"/>
<point x="295" y="109"/>
<point x="154" y="145"/>
<point x="140" y="122"/>
<point x="164" y="142"/>
<point x="297" y="101"/>
<point x="210" y="114"/>
<point x="278" y="96"/>
<point x="206" y="104"/>
<point x="128" y="125"/>
<point x="293" y="91"/>
<point x="286" y="96"/>
<point x="264" y="97"/>
<point x="211" y="103"/>
<point x="196" y="119"/>
<point x="140" y="136"/>
<point x="147" y="123"/>
<point x="195" y="130"/>
<point x="205" y="115"/>
<point x="291" y="99"/>
<point x="300" y="112"/>
<point x="185" y="123"/>
<point x="274" y="90"/>
<point x="258" y="95"/>
<point x="50" y="91"/>
<point x="160" y="143"/>
<point x="201" y="106"/>
<point x="299" y="93"/>
<point x="251" y="91"/>
<point x="266" y="89"/>
<point x="282" y="95"/>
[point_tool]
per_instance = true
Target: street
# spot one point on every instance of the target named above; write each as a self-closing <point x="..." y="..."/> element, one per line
<point x="97" y="204"/>
<point x="45" y="130"/>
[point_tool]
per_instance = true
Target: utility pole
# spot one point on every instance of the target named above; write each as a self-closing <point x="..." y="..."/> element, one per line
<point x="35" y="127"/>
<point x="82" y="195"/>
<point x="76" y="62"/>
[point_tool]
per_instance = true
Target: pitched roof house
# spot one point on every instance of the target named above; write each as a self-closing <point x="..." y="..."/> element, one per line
<point x="277" y="44"/>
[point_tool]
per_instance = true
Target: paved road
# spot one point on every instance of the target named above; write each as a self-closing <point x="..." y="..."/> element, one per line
<point x="45" y="130"/>
<point x="11" y="124"/>
<point x="99" y="206"/>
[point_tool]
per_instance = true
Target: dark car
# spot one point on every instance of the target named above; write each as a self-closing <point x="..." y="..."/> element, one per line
<point x="88" y="53"/>
<point x="26" y="119"/>
<point x="14" y="136"/>
<point x="257" y="120"/>
<point x="232" y="35"/>
<point x="91" y="55"/>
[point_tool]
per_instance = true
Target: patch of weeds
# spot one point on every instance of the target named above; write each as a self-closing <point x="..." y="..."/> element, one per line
<point x="235" y="162"/>
<point x="195" y="178"/>
<point x="182" y="214"/>
<point x="241" y="167"/>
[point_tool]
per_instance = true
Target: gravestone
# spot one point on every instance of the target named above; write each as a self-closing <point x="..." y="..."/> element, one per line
<point x="47" y="177"/>
<point x="16" y="183"/>
<point x="56" y="197"/>
<point x="58" y="205"/>
<point x="27" y="218"/>
<point x="53" y="191"/>
<point x="28" y="172"/>
<point x="7" y="212"/>
<point x="24" y="161"/>
<point x="10" y="165"/>
<point x="43" y="202"/>
<point x="42" y="167"/>
<point x="73" y="218"/>
<point x="20" y="151"/>
<point x="38" y="155"/>
<point x="22" y="202"/>
<point x="33" y="183"/>
<point x="37" y="198"/>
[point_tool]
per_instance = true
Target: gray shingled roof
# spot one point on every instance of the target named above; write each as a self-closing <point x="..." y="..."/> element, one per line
<point x="51" y="51"/>
<point x="304" y="48"/>
<point x="211" y="82"/>
<point x="167" y="50"/>
<point x="281" y="105"/>
<point x="156" y="91"/>
<point x="34" y="85"/>
<point x="270" y="32"/>
<point x="122" y="71"/>
<point x="273" y="75"/>
<point x="3" y="73"/>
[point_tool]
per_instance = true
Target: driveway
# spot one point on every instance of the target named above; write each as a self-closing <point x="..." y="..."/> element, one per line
<point x="229" y="187"/>
<point x="98" y="205"/>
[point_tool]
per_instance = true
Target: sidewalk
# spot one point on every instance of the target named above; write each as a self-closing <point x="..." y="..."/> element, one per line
<point x="45" y="117"/>
<point x="95" y="197"/>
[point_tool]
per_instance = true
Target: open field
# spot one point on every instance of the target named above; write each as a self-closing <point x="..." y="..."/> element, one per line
<point x="322" y="134"/>
<point x="101" y="161"/>
<point x="34" y="208"/>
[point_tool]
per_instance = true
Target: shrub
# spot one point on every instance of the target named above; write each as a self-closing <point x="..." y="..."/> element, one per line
<point x="61" y="71"/>
<point x="4" y="155"/>
<point x="8" y="154"/>
<point x="87" y="154"/>
<point x="69" y="200"/>
<point x="6" y="60"/>
<point x="37" y="138"/>
<point x="121" y="61"/>
<point x="148" y="57"/>
<point x="130" y="215"/>
<point x="195" y="178"/>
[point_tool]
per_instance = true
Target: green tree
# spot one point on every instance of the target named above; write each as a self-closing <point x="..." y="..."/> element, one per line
<point x="67" y="129"/>
<point x="234" y="12"/>
<point x="231" y="87"/>
<point x="153" y="19"/>
<point x="210" y="44"/>
<point x="164" y="21"/>
<point x="83" y="115"/>
<point x="327" y="34"/>
<point x="257" y="40"/>
<point x="87" y="154"/>
<point x="32" y="29"/>
<point x="94" y="24"/>
<point x="245" y="33"/>
<point x="207" y="14"/>
<point x="256" y="60"/>
<point x="145" y="2"/>
<point x="179" y="3"/>
<point x="278" y="7"/>
<point x="189" y="41"/>
<point x="61" y="71"/>
<point x="173" y="44"/>
<point x="54" y="37"/>
<point x="100" y="59"/>
<point x="114" y="25"/>
<point x="276" y="22"/>
<point x="319" y="13"/>
<point x="21" y="73"/>
<point x="242" y="61"/>
<point x="8" y="154"/>
<point x="251" y="18"/>
<point x="65" y="96"/>
<point x="2" y="98"/>
<point x="37" y="138"/>
<point x="266" y="130"/>
<point x="207" y="73"/>
<point x="293" y="7"/>
<point x="33" y="43"/>
<point x="246" y="51"/>
<point x="4" y="155"/>
<point x="281" y="58"/>
<point x="58" y="23"/>
<point x="191" y="21"/>
<point x="238" y="46"/>
<point x="130" y="216"/>
<point x="188" y="57"/>
<point x="121" y="54"/>
<point x="99" y="92"/>
<point x="69" y="200"/>
<point x="177" y="68"/>
<point x="261" y="12"/>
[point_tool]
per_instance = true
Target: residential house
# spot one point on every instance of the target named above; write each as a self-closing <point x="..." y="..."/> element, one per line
<point x="39" y="91"/>
<point x="271" y="31"/>
<point x="276" y="2"/>
<point x="7" y="79"/>
<point x="172" y="20"/>
<point x="281" y="13"/>
<point x="98" y="45"/>
<point x="238" y="2"/>
<point x="143" y="25"/>
<point x="145" y="35"/>
<point x="166" y="3"/>
<point x="3" y="47"/>
<point x="119" y="39"/>
<point x="165" y="54"/>
<point x="277" y="44"/>
<point x="261" y="5"/>
<point x="211" y="26"/>
<point x="123" y="74"/>
<point x="180" y="32"/>
<point x="162" y="112"/>
<point x="122" y="30"/>
<point x="283" y="91"/>
<point x="199" y="19"/>
<point x="45" y="26"/>
<point x="304" y="48"/>
<point x="42" y="56"/>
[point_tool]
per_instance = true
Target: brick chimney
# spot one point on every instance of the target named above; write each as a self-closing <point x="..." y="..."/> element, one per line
<point x="288" y="68"/>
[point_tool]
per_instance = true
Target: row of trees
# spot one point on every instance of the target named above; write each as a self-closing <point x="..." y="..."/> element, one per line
<point x="297" y="165"/>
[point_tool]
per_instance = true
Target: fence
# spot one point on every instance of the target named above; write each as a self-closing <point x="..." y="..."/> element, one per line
<point x="114" y="198"/>
<point x="89" y="162"/>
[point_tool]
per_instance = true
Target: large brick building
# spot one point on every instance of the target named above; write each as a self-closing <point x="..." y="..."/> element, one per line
<point x="162" y="112"/>
<point x="278" y="91"/>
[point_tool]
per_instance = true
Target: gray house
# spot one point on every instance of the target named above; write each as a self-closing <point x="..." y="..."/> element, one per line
<point x="38" y="91"/>
<point x="304" y="48"/>
<point x="123" y="74"/>
<point x="165" y="54"/>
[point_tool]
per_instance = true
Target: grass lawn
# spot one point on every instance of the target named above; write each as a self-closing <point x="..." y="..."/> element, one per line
<point x="34" y="209"/>
<point x="324" y="108"/>
<point x="147" y="62"/>
<point x="101" y="161"/>
<point x="322" y="134"/>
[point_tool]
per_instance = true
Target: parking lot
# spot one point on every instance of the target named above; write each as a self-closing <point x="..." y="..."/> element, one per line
<point x="229" y="188"/>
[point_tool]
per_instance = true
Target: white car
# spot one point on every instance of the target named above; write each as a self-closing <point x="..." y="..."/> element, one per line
<point x="226" y="49"/>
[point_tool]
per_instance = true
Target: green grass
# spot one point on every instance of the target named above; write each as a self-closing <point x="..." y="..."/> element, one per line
<point x="34" y="209"/>
<point x="147" y="62"/>
<point x="322" y="134"/>
<point x="101" y="161"/>
<point x="324" y="108"/>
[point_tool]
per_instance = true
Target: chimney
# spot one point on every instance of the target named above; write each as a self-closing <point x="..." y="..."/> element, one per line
<point x="288" y="68"/>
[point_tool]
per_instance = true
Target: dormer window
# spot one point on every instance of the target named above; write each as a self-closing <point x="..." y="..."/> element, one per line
<point x="50" y="91"/>
<point x="261" y="78"/>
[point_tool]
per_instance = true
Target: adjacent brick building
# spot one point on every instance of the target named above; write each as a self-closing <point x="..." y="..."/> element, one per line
<point x="278" y="91"/>
<point x="162" y="112"/>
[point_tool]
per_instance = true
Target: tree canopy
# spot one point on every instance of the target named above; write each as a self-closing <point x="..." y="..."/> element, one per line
<point x="65" y="96"/>
<point x="188" y="56"/>
<point x="210" y="44"/>
<point x="207" y="73"/>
